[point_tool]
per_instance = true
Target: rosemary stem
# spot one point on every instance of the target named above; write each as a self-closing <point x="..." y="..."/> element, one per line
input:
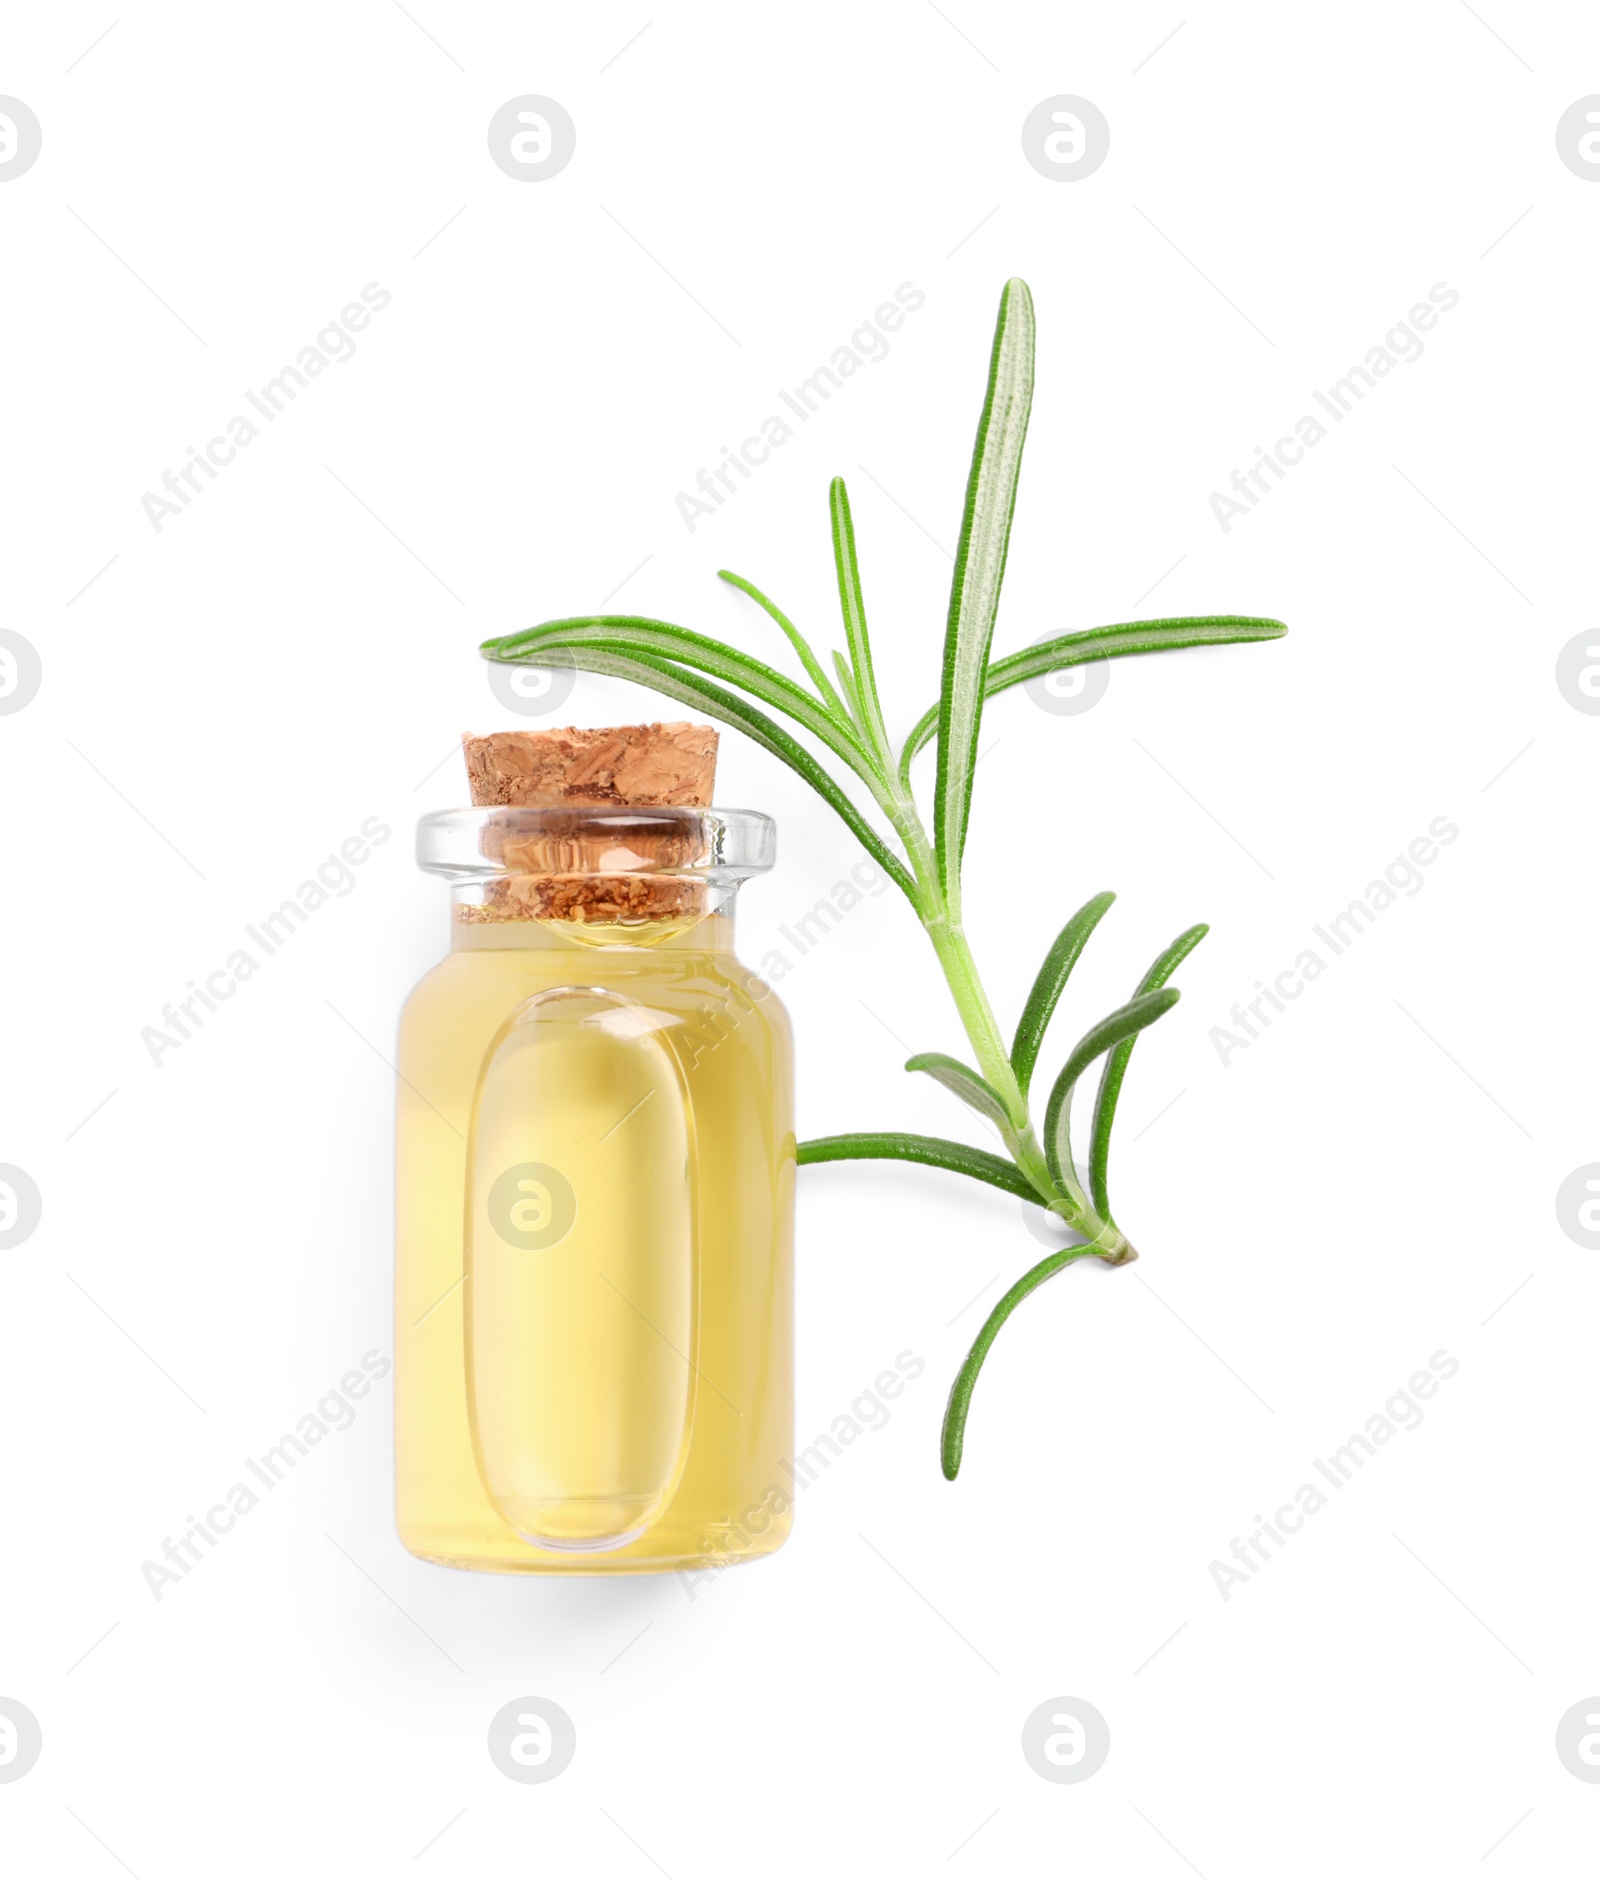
<point x="1069" y="1200"/>
<point x="954" y="953"/>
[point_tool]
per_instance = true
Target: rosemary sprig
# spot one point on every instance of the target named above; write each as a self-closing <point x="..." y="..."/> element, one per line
<point x="846" y="718"/>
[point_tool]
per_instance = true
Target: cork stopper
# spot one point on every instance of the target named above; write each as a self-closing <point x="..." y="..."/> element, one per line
<point x="642" y="766"/>
<point x="561" y="873"/>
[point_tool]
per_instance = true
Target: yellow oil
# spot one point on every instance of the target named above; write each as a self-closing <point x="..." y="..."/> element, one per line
<point x="594" y="1337"/>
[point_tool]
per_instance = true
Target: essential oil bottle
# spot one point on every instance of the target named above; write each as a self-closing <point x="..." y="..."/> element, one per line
<point x="596" y="1154"/>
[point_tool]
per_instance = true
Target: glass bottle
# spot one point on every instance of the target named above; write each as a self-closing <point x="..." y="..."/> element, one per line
<point x="594" y="1224"/>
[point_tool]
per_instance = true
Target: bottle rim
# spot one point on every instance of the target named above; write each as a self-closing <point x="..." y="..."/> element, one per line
<point x="715" y="845"/>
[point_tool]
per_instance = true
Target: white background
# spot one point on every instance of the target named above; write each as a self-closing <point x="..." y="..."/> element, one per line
<point x="1367" y="1183"/>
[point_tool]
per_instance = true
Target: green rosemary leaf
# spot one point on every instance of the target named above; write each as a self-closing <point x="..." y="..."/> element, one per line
<point x="932" y="1151"/>
<point x="1048" y="987"/>
<point x="1125" y="1022"/>
<point x="964" y="1083"/>
<point x="980" y="569"/>
<point x="662" y="675"/>
<point x="1116" y="1067"/>
<point x="1077" y="649"/>
<point x="847" y="686"/>
<point x="632" y="633"/>
<point x="1134" y="636"/>
<point x="851" y="605"/>
<point x="953" y="1435"/>
<point x="796" y="639"/>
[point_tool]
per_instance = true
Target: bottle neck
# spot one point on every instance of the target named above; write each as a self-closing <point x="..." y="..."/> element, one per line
<point x="594" y="877"/>
<point x="479" y="928"/>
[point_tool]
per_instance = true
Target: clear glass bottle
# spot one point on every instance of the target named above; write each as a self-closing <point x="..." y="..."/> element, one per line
<point x="594" y="1222"/>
